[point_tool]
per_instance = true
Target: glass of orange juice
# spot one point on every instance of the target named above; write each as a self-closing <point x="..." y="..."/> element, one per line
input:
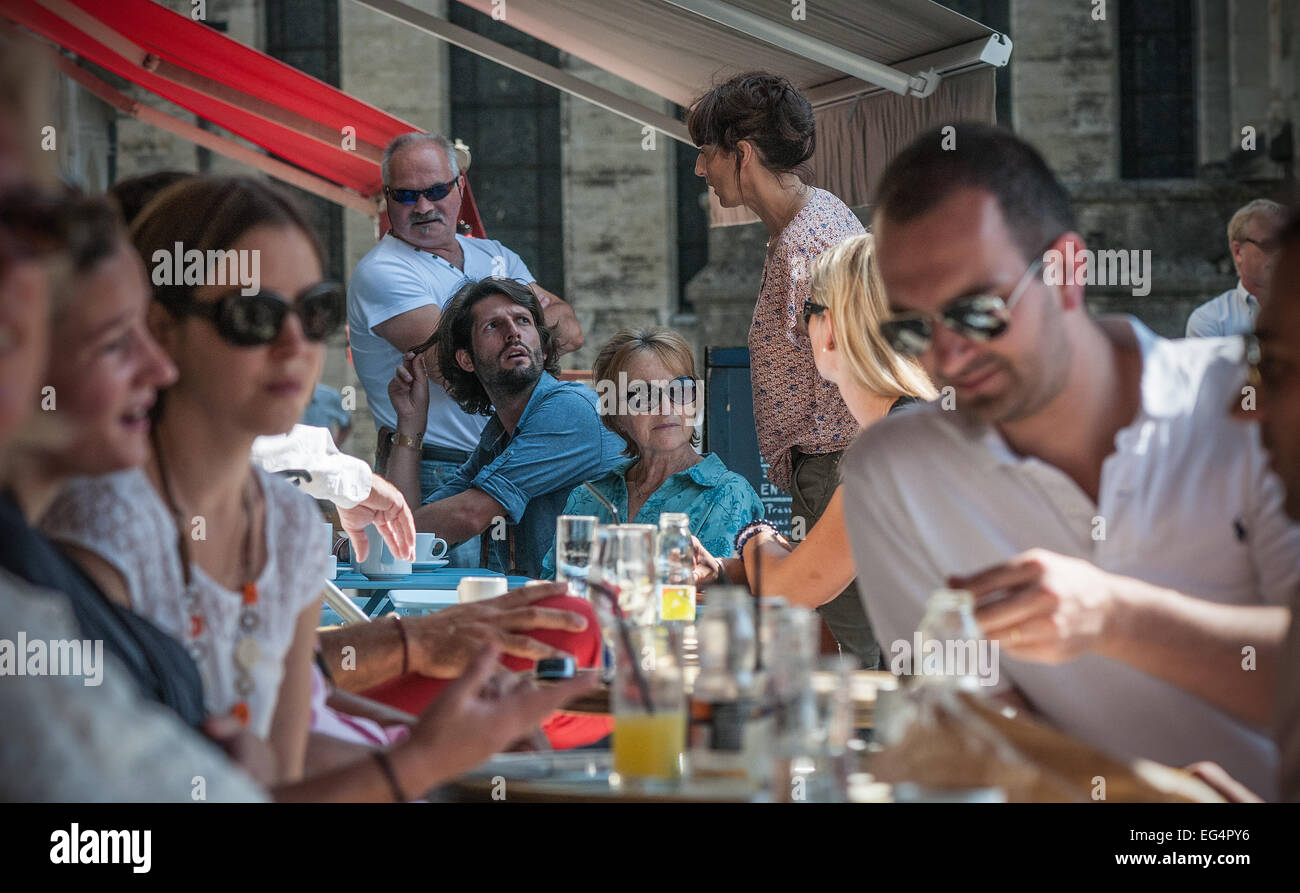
<point x="649" y="705"/>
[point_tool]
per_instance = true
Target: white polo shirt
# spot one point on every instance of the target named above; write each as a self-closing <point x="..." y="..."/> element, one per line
<point x="1187" y="502"/>
<point x="1231" y="313"/>
<point x="394" y="278"/>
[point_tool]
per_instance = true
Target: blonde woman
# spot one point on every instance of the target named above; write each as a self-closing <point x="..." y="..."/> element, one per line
<point x="841" y="317"/>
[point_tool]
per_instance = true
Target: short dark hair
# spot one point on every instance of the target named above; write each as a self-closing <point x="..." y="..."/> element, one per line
<point x="134" y="193"/>
<point x="95" y="230"/>
<point x="936" y="164"/>
<point x="454" y="333"/>
<point x="763" y="108"/>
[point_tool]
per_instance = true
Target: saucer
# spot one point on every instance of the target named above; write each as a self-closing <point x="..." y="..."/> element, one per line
<point x="432" y="565"/>
<point x="370" y="576"/>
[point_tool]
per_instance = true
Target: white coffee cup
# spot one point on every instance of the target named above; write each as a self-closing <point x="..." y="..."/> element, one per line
<point x="429" y="547"/>
<point x="476" y="589"/>
<point x="381" y="561"/>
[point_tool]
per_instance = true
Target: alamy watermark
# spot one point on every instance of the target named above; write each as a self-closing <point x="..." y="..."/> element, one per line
<point x="53" y="657"/>
<point x="178" y="266"/>
<point x="1105" y="267"/>
<point x="971" y="658"/>
<point x="638" y="397"/>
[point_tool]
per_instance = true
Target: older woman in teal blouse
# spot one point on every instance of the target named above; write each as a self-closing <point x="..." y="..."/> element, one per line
<point x="648" y="396"/>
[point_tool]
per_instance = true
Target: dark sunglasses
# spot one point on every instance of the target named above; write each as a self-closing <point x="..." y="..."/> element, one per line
<point x="254" y="320"/>
<point x="435" y="193"/>
<point x="680" y="392"/>
<point x="811" y="309"/>
<point x="977" y="317"/>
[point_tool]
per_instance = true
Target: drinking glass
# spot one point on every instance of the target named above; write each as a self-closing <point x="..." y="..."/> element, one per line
<point x="623" y="566"/>
<point x="573" y="551"/>
<point x="649" y="704"/>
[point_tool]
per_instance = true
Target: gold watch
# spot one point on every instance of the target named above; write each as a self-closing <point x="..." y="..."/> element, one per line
<point x="406" y="440"/>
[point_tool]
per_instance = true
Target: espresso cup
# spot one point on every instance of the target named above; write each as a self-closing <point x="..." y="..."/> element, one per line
<point x="381" y="561"/>
<point x="476" y="589"/>
<point x="429" y="547"/>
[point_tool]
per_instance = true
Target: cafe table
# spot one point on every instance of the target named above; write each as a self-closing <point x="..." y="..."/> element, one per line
<point x="439" y="584"/>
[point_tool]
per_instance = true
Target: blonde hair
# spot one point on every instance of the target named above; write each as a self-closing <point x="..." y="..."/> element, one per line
<point x="846" y="280"/>
<point x="617" y="353"/>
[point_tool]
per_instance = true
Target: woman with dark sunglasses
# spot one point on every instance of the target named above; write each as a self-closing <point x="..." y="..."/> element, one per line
<point x="842" y="318"/>
<point x="227" y="558"/>
<point x="650" y="397"/>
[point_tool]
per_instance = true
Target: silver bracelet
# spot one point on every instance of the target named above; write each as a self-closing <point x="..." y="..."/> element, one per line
<point x="748" y="531"/>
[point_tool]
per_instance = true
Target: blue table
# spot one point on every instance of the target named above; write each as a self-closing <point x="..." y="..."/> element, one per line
<point x="444" y="579"/>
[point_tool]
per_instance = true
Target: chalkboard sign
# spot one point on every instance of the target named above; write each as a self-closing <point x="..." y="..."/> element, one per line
<point x="729" y="428"/>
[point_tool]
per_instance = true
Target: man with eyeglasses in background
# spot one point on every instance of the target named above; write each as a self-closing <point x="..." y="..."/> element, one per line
<point x="396" y="296"/>
<point x="1124" y="540"/>
<point x="1252" y="239"/>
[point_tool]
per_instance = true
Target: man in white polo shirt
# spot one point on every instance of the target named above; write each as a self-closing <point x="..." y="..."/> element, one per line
<point x="397" y="292"/>
<point x="1252" y="239"/>
<point x="1103" y="448"/>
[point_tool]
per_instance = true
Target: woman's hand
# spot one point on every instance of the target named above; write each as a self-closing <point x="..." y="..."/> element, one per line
<point x="386" y="508"/>
<point x="708" y="569"/>
<point x="409" y="393"/>
<point x="244" y="749"/>
<point x="485" y="711"/>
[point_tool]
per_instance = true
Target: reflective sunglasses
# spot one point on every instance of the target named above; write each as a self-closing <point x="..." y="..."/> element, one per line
<point x="435" y="193"/>
<point x="680" y="392"/>
<point x="977" y="317"/>
<point x="254" y="320"/>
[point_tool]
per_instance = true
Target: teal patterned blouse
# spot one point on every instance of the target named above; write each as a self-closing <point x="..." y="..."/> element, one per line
<point x="719" y="503"/>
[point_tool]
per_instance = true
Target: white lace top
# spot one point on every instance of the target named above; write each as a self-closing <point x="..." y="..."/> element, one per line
<point x="122" y="519"/>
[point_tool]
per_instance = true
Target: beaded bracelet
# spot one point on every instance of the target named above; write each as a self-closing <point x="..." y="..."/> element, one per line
<point x="748" y="531"/>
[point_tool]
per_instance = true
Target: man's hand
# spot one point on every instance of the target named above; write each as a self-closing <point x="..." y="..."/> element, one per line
<point x="1055" y="608"/>
<point x="409" y="392"/>
<point x="485" y="711"/>
<point x="384" y="507"/>
<point x="444" y="644"/>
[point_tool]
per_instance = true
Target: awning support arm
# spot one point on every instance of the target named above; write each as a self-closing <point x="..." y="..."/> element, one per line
<point x="526" y="65"/>
<point x="921" y="84"/>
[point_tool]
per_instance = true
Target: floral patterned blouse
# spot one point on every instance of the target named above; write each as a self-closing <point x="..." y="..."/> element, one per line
<point x="718" y="501"/>
<point x="793" y="405"/>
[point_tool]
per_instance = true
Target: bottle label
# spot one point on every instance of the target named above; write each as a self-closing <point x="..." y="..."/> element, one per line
<point x="677" y="602"/>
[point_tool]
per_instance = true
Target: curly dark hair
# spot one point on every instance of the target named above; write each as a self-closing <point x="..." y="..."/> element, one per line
<point x="453" y="334"/>
<point x="762" y="108"/>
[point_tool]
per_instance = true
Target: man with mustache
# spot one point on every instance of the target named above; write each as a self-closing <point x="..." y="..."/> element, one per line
<point x="399" y="290"/>
<point x="498" y="357"/>
<point x="1125" y="542"/>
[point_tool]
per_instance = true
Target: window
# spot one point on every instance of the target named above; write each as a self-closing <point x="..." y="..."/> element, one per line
<point x="305" y="34"/>
<point x="511" y="124"/>
<point x="1157" y="44"/>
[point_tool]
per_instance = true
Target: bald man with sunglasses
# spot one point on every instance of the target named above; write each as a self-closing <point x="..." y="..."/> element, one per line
<point x="1124" y="539"/>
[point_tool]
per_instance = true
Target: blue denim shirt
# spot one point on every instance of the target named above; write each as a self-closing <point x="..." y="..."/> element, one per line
<point x="558" y="443"/>
<point x="719" y="503"/>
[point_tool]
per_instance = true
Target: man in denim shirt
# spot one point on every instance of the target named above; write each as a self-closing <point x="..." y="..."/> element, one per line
<point x="544" y="436"/>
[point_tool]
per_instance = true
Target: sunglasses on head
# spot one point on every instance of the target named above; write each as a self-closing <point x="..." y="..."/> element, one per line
<point x="977" y="317"/>
<point x="254" y="320"/>
<point x="680" y="392"/>
<point x="435" y="193"/>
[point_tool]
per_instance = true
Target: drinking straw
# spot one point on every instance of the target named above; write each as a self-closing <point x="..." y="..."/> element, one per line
<point x="603" y="501"/>
<point x="611" y="592"/>
<point x="758" y="610"/>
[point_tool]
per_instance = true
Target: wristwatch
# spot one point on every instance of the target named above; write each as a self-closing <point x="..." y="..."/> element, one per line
<point x="406" y="440"/>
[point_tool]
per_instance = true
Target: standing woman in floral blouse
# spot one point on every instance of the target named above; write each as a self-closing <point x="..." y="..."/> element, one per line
<point x="755" y="133"/>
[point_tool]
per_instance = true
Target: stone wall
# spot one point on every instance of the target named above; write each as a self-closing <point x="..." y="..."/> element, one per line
<point x="619" y="216"/>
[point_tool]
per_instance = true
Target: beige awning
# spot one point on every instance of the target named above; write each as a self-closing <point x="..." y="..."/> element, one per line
<point x="877" y="71"/>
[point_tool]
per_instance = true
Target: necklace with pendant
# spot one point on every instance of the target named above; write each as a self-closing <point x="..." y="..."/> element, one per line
<point x="247" y="651"/>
